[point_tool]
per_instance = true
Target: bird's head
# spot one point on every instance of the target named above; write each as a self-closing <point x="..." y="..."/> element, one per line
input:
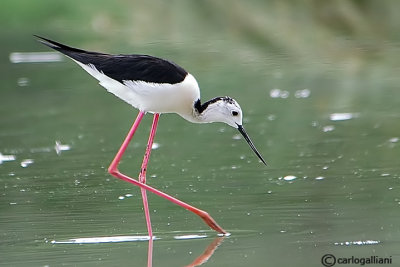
<point x="227" y="110"/>
<point x="222" y="109"/>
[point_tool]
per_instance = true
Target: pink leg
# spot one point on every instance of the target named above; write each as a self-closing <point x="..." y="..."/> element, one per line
<point x="113" y="170"/>
<point x="143" y="169"/>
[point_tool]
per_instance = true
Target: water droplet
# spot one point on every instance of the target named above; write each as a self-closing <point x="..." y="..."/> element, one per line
<point x="278" y="93"/>
<point x="275" y="93"/>
<point x="271" y="117"/>
<point x="328" y="128"/>
<point x="302" y="93"/>
<point x="342" y="116"/>
<point x="26" y="162"/>
<point x="60" y="147"/>
<point x="289" y="178"/>
<point x="284" y="94"/>
<point x="236" y="137"/>
<point x="23" y="81"/>
<point x="6" y="158"/>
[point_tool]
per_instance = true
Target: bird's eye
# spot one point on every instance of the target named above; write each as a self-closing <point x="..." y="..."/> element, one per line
<point x="235" y="113"/>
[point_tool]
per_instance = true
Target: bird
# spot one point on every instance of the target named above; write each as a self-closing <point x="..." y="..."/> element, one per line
<point x="157" y="86"/>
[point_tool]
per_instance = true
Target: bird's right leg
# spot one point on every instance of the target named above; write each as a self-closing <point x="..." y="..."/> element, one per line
<point x="143" y="169"/>
<point x="113" y="170"/>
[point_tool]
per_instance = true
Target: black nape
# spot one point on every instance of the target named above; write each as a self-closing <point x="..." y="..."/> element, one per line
<point x="201" y="107"/>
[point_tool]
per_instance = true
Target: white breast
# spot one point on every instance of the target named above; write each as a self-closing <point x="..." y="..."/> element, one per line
<point x="166" y="98"/>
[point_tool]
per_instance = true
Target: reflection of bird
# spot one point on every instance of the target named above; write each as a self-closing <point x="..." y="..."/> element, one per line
<point x="157" y="86"/>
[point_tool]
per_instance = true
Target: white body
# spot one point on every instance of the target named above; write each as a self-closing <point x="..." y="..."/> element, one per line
<point x="153" y="97"/>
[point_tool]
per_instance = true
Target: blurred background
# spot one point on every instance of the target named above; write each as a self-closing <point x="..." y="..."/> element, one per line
<point x="318" y="82"/>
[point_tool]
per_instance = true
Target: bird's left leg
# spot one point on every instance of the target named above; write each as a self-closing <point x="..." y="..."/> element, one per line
<point x="143" y="169"/>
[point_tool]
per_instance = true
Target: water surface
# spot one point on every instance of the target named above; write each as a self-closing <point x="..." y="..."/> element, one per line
<point x="328" y="129"/>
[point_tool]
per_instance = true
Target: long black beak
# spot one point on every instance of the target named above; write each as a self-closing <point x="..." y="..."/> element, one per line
<point x="247" y="138"/>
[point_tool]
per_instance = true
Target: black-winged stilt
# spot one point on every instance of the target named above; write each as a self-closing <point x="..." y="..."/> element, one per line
<point x="157" y="86"/>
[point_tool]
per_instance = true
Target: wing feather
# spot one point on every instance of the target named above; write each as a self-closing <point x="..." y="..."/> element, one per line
<point x="124" y="67"/>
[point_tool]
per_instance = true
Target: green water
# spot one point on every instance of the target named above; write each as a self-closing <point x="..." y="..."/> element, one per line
<point x="320" y="102"/>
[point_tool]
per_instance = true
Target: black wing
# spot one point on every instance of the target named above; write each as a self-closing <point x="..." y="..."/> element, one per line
<point x="124" y="67"/>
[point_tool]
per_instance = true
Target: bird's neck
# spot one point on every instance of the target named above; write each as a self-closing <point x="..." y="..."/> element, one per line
<point x="198" y="108"/>
<point x="199" y="111"/>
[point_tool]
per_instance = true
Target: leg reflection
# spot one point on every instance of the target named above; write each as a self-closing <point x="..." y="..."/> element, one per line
<point x="208" y="252"/>
<point x="203" y="258"/>
<point x="150" y="253"/>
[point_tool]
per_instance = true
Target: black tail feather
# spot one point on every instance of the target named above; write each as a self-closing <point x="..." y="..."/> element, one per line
<point x="80" y="55"/>
<point x="58" y="46"/>
<point x="65" y="49"/>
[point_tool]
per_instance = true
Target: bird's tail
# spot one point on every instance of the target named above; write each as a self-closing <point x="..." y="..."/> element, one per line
<point x="72" y="52"/>
<point x="58" y="46"/>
